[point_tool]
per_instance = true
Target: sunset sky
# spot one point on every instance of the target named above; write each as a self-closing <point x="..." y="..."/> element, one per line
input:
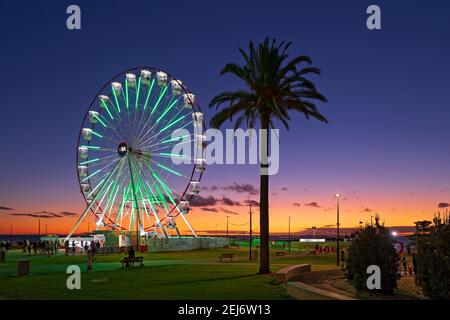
<point x="384" y="150"/>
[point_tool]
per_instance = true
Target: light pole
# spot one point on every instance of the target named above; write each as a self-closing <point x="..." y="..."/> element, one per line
<point x="250" y="238"/>
<point x="39" y="225"/>
<point x="337" y="229"/>
<point x="228" y="239"/>
<point x="289" y="237"/>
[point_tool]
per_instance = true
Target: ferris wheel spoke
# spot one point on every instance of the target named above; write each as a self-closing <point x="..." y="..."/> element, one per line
<point x="170" y="125"/>
<point x="149" y="91"/>
<point x="169" y="106"/>
<point x="172" y="155"/>
<point x="109" y="203"/>
<point x="89" y="206"/>
<point x="97" y="148"/>
<point x="160" y="146"/>
<point x="98" y="161"/>
<point x="162" y="91"/>
<point x="153" y="196"/>
<point x="165" y="138"/>
<point x="126" y="189"/>
<point x="97" y="171"/>
<point x="149" y="117"/>
<point x="113" y="194"/>
<point x="179" y="174"/>
<point x="111" y="127"/>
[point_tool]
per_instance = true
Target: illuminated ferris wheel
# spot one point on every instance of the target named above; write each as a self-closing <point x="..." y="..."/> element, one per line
<point x="127" y="172"/>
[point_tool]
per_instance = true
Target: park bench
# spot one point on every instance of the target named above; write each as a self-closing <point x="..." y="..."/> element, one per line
<point x="226" y="256"/>
<point x="279" y="254"/>
<point x="129" y="261"/>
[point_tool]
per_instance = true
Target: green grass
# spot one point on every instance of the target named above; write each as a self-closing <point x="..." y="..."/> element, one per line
<point x="181" y="275"/>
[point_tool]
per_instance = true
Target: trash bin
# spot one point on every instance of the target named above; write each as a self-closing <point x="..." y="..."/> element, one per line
<point x="23" y="267"/>
<point x="2" y="256"/>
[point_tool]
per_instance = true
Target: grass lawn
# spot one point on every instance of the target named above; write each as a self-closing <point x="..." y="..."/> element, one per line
<point x="181" y="275"/>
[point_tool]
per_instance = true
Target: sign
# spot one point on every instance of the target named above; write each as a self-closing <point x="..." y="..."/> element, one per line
<point x="312" y="240"/>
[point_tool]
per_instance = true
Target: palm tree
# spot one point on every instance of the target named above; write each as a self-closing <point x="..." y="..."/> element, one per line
<point x="275" y="86"/>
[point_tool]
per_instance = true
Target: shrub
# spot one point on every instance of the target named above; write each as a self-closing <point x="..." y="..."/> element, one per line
<point x="372" y="245"/>
<point x="433" y="265"/>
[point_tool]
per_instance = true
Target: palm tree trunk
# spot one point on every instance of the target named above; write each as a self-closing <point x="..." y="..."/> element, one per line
<point x="264" y="264"/>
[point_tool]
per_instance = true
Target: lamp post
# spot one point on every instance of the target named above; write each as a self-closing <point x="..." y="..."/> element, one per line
<point x="228" y="239"/>
<point x="39" y="225"/>
<point x="250" y="238"/>
<point x="337" y="229"/>
<point x="289" y="237"/>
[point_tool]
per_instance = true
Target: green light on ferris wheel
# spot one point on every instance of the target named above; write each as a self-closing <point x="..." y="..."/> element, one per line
<point x="159" y="99"/>
<point x="169" y="170"/>
<point x="167" y="110"/>
<point x="148" y="93"/>
<point x="89" y="161"/>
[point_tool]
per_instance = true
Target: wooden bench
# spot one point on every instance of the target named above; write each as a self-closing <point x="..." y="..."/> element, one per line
<point x="283" y="275"/>
<point x="226" y="256"/>
<point x="129" y="261"/>
<point x="279" y="254"/>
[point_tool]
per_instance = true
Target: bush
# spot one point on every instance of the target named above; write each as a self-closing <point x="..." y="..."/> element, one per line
<point x="372" y="246"/>
<point x="433" y="265"/>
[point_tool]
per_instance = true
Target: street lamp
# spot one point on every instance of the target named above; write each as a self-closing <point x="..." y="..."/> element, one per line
<point x="289" y="232"/>
<point x="250" y="234"/>
<point x="337" y="229"/>
<point x="228" y="239"/>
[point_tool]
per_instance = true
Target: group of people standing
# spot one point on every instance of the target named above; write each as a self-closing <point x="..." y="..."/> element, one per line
<point x="85" y="247"/>
<point x="41" y="247"/>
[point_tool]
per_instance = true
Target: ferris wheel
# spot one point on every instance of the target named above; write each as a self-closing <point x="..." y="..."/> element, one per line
<point x="128" y="173"/>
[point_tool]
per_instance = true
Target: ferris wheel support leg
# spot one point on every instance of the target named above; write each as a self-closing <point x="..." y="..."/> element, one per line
<point x="188" y="224"/>
<point x="163" y="230"/>
<point x="178" y="232"/>
<point x="138" y="217"/>
<point x="90" y="204"/>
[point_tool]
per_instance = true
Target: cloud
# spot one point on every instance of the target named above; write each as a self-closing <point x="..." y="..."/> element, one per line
<point x="44" y="214"/>
<point x="242" y="188"/>
<point x="312" y="204"/>
<point x="5" y="208"/>
<point x="367" y="210"/>
<point x="443" y="205"/>
<point x="199" y="201"/>
<point x="229" y="202"/>
<point x="284" y="189"/>
<point x="68" y="214"/>
<point x="253" y="203"/>
<point x="211" y="188"/>
<point x="210" y="209"/>
<point x="229" y="211"/>
<point x="296" y="204"/>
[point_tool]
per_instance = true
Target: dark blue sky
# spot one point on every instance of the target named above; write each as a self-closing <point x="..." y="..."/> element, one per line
<point x="388" y="90"/>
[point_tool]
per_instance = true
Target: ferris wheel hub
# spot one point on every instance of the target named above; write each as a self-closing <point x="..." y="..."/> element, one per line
<point x="122" y="149"/>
